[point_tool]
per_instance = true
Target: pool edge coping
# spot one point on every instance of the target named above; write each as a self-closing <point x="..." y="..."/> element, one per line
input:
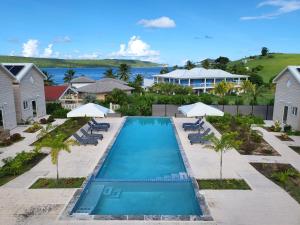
<point x="66" y="214"/>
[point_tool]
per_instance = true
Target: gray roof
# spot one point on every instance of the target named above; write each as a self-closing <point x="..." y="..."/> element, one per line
<point x="114" y="80"/>
<point x="104" y="86"/>
<point x="198" y="73"/>
<point x="82" y="79"/>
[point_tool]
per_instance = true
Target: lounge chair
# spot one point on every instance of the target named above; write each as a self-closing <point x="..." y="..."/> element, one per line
<point x="195" y="135"/>
<point x="97" y="136"/>
<point x="188" y="124"/>
<point x="194" y="127"/>
<point x="85" y="140"/>
<point x="98" y="127"/>
<point x="96" y="123"/>
<point x="199" y="140"/>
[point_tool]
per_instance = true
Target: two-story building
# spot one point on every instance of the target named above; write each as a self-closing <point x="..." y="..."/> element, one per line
<point x="28" y="92"/>
<point x="200" y="79"/>
<point x="287" y="97"/>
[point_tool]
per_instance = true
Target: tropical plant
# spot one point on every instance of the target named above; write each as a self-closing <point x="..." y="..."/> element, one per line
<point x="117" y="96"/>
<point x="238" y="101"/>
<point x="109" y="73"/>
<point x="221" y="89"/>
<point x="164" y="70"/>
<point x="189" y="65"/>
<point x="221" y="62"/>
<point x="205" y="64"/>
<point x="69" y="75"/>
<point x="49" y="78"/>
<point x="124" y="72"/>
<point x="56" y="144"/>
<point x="226" y="142"/>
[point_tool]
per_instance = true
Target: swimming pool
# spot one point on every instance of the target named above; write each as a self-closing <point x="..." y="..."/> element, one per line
<point x="142" y="174"/>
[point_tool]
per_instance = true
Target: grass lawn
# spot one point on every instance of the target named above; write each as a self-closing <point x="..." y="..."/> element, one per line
<point x="6" y="176"/>
<point x="226" y="184"/>
<point x="296" y="149"/>
<point x="62" y="183"/>
<point x="283" y="175"/>
<point x="68" y="128"/>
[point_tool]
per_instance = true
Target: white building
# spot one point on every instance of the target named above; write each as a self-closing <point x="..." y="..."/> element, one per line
<point x="200" y="79"/>
<point x="287" y="97"/>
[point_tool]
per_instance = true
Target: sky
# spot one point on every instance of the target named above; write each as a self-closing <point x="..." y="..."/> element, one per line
<point x="164" y="31"/>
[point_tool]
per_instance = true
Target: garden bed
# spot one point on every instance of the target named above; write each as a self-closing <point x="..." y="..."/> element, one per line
<point x="284" y="138"/>
<point x="10" y="142"/>
<point x="226" y="184"/>
<point x="34" y="128"/>
<point x="252" y="140"/>
<point x="283" y="175"/>
<point x="296" y="149"/>
<point x="62" y="183"/>
<point x="23" y="162"/>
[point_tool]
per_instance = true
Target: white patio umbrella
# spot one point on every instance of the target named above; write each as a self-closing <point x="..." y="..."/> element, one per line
<point x="90" y="110"/>
<point x="200" y="109"/>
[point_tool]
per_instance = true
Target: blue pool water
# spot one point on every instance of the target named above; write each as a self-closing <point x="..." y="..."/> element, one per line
<point x="143" y="174"/>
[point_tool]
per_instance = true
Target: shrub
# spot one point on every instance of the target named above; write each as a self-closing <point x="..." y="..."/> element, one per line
<point x="287" y="128"/>
<point x="15" y="137"/>
<point x="256" y="136"/>
<point x="50" y="119"/>
<point x="60" y="113"/>
<point x="277" y="126"/>
<point x="51" y="107"/>
<point x="43" y="121"/>
<point x="34" y="128"/>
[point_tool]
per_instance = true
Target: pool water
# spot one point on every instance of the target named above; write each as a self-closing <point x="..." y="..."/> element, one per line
<point x="143" y="174"/>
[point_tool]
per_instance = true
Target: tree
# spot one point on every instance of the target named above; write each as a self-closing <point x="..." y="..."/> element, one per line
<point x="175" y="67"/>
<point x="221" y="89"/>
<point x="221" y="62"/>
<point x="117" y="96"/>
<point x="49" y="80"/>
<point x="189" y="65"/>
<point x="264" y="51"/>
<point x="109" y="73"/>
<point x="56" y="143"/>
<point x="205" y="64"/>
<point x="253" y="91"/>
<point x="124" y="72"/>
<point x="164" y="70"/>
<point x="256" y="79"/>
<point x="226" y="142"/>
<point x="69" y="75"/>
<point x="139" y="80"/>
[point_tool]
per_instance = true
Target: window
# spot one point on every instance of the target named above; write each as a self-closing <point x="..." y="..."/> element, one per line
<point x="25" y="104"/>
<point x="294" y="111"/>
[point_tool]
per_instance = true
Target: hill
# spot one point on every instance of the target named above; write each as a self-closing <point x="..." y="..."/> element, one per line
<point x="273" y="64"/>
<point x="50" y="62"/>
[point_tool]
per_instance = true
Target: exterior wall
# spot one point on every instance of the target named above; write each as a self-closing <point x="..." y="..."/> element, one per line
<point x="7" y="104"/>
<point x="287" y="96"/>
<point x="31" y="88"/>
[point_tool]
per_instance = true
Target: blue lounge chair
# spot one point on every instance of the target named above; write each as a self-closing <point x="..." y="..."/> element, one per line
<point x="97" y="127"/>
<point x="85" y="140"/>
<point x="195" y="135"/>
<point x="97" y="136"/>
<point x="96" y="123"/>
<point x="188" y="124"/>
<point x="199" y="140"/>
<point x="194" y="127"/>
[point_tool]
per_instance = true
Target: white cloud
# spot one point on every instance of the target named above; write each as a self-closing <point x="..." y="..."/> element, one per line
<point x="137" y="49"/>
<point x="283" y="7"/>
<point x="30" y="48"/>
<point x="48" y="51"/>
<point x="161" y="22"/>
<point x="65" y="39"/>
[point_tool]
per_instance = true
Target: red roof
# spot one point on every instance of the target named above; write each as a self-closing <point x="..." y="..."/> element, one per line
<point x="52" y="93"/>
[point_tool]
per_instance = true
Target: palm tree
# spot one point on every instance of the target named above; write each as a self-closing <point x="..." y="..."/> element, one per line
<point x="49" y="80"/>
<point x="164" y="70"/>
<point x="255" y="92"/>
<point x="56" y="143"/>
<point x="124" y="72"/>
<point x="189" y="65"/>
<point x="226" y="142"/>
<point x="221" y="89"/>
<point x="69" y="75"/>
<point x="109" y="73"/>
<point x="139" y="80"/>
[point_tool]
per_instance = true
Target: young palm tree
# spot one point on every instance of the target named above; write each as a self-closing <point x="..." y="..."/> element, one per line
<point x="189" y="65"/>
<point x="56" y="144"/>
<point x="226" y="142"/>
<point x="124" y="72"/>
<point x="69" y="75"/>
<point x="49" y="80"/>
<point x="139" y="80"/>
<point x="109" y="73"/>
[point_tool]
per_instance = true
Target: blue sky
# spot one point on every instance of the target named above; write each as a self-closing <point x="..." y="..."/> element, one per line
<point x="167" y="31"/>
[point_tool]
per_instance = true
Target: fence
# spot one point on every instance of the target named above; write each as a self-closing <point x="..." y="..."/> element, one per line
<point x="263" y="111"/>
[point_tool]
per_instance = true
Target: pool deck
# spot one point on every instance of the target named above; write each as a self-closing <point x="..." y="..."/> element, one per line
<point x="265" y="204"/>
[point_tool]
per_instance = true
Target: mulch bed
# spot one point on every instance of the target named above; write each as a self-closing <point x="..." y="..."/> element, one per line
<point x="284" y="139"/>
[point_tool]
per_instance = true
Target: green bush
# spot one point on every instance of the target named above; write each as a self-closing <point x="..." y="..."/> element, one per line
<point x="43" y="121"/>
<point x="287" y="128"/>
<point x="51" y="107"/>
<point x="15" y="137"/>
<point x="60" y="113"/>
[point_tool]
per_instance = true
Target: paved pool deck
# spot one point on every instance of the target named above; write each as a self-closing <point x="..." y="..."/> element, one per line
<point x="265" y="204"/>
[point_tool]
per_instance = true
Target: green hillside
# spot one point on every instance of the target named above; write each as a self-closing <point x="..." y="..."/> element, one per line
<point x="49" y="62"/>
<point x="272" y="64"/>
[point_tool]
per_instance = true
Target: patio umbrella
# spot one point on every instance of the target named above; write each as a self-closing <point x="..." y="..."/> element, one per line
<point x="199" y="109"/>
<point x="90" y="110"/>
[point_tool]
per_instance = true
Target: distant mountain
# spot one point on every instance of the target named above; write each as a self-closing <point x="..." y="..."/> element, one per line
<point x="272" y="64"/>
<point x="51" y="62"/>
